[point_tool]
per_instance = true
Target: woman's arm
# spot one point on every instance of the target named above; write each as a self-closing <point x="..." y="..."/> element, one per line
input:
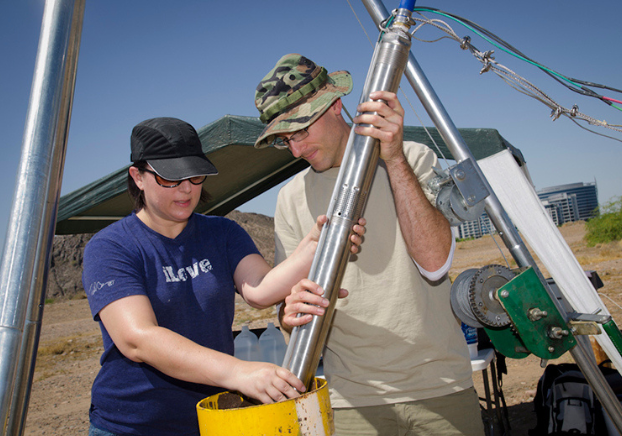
<point x="262" y="287"/>
<point x="133" y="327"/>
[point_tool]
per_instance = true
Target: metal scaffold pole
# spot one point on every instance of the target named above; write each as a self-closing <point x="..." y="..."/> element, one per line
<point x="30" y="232"/>
<point x="496" y="212"/>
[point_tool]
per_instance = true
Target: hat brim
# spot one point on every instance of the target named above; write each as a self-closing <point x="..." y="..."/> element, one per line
<point x="306" y="113"/>
<point x="180" y="168"/>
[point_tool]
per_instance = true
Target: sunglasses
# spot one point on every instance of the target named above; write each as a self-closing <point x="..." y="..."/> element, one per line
<point x="165" y="183"/>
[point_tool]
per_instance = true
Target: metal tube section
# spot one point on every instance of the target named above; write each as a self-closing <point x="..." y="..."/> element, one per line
<point x="347" y="202"/>
<point x="30" y="232"/>
<point x="584" y="357"/>
<point x="496" y="212"/>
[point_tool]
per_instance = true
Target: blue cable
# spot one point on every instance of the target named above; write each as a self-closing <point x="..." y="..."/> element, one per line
<point x="407" y="4"/>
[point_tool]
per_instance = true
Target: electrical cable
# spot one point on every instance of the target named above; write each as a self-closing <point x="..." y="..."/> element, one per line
<point x="514" y="80"/>
<point x="510" y="77"/>
<point x="577" y="85"/>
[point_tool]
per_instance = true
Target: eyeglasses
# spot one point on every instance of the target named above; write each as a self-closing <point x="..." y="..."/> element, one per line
<point x="283" y="143"/>
<point x="165" y="183"/>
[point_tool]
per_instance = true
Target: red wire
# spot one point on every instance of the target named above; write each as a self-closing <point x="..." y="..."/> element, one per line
<point x="612" y="99"/>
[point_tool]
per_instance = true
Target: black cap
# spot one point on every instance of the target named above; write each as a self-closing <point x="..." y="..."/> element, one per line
<point x="172" y="147"/>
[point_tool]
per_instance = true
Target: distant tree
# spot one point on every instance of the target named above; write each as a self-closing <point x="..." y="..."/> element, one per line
<point x="606" y="227"/>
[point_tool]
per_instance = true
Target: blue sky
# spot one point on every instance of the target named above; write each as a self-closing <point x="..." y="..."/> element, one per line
<point x="199" y="60"/>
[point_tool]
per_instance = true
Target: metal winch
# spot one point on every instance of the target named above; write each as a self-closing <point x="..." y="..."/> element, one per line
<point x="516" y="311"/>
<point x="473" y="296"/>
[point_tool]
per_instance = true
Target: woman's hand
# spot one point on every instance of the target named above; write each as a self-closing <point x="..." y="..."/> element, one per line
<point x="306" y="300"/>
<point x="265" y="382"/>
<point x="356" y="237"/>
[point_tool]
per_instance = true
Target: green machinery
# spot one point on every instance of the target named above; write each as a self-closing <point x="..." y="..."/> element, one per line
<point x="519" y="315"/>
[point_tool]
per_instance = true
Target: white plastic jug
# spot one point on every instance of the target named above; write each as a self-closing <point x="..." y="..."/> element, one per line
<point x="272" y="345"/>
<point x="470" y="334"/>
<point x="246" y="345"/>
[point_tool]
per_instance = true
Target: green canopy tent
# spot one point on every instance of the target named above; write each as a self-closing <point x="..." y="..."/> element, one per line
<point x="243" y="172"/>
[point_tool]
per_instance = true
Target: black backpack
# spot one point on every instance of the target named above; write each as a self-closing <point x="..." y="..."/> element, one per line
<point x="565" y="404"/>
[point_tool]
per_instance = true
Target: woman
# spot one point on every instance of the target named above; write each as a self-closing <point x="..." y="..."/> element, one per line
<point x="161" y="283"/>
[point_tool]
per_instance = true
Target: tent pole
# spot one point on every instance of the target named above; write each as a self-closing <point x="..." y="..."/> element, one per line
<point x="30" y="233"/>
<point x="497" y="214"/>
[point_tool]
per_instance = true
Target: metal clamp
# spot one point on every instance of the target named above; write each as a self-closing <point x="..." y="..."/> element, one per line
<point x="465" y="43"/>
<point x="460" y="192"/>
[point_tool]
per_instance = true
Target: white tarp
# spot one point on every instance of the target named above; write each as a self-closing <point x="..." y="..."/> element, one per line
<point x="520" y="201"/>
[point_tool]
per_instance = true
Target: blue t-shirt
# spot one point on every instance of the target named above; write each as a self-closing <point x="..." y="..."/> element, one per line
<point x="189" y="282"/>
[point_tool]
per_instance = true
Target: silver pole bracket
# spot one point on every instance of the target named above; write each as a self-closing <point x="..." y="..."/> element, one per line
<point x="460" y="192"/>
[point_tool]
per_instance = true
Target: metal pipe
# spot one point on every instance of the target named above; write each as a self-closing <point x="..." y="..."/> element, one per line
<point x="496" y="212"/>
<point x="348" y="200"/>
<point x="32" y="327"/>
<point x="28" y="246"/>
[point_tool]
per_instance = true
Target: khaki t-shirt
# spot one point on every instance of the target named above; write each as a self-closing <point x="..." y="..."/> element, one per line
<point x="394" y="338"/>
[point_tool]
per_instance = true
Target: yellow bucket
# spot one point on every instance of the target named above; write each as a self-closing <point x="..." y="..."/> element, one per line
<point x="310" y="415"/>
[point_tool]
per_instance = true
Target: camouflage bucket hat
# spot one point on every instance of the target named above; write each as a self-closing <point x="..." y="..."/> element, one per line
<point x="294" y="94"/>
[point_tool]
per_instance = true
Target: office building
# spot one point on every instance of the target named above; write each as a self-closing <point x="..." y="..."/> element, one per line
<point x="476" y="228"/>
<point x="564" y="204"/>
<point x="585" y="197"/>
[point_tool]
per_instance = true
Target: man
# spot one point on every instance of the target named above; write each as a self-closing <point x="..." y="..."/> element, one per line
<point x="396" y="360"/>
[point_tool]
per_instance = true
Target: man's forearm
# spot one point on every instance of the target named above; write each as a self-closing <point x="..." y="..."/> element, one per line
<point x="425" y="230"/>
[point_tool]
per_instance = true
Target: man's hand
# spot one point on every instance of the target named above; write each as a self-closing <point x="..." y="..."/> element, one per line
<point x="385" y="115"/>
<point x="306" y="299"/>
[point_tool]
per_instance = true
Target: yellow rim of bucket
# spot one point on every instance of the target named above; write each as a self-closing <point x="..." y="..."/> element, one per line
<point x="310" y="414"/>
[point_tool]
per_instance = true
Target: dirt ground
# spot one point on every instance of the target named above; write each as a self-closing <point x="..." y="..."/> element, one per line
<point x="70" y="344"/>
